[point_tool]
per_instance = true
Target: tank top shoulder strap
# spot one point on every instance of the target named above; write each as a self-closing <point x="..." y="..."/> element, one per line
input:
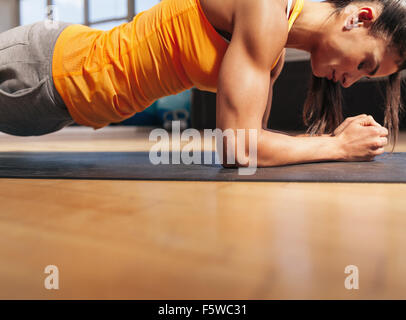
<point x="297" y="9"/>
<point x="289" y="7"/>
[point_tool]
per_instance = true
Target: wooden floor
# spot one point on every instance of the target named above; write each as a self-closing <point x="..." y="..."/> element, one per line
<point x="195" y="240"/>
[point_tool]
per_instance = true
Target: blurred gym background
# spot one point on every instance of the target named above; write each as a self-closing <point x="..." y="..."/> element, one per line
<point x="195" y="108"/>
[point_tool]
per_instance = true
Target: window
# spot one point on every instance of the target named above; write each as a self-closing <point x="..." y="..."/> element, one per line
<point x="102" y="10"/>
<point x="32" y="11"/>
<point x="64" y="10"/>
<point x="102" y="14"/>
<point x="69" y="11"/>
<point x="142" y="5"/>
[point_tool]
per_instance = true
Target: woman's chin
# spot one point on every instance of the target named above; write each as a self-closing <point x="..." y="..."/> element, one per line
<point x="315" y="70"/>
<point x="317" y="74"/>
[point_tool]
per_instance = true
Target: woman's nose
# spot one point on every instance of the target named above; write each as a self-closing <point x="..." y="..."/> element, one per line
<point x="349" y="80"/>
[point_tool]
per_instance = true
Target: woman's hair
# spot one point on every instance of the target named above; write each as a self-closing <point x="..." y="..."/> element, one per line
<point x="322" y="111"/>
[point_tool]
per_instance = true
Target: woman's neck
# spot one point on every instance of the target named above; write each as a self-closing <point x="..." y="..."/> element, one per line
<point x="310" y="26"/>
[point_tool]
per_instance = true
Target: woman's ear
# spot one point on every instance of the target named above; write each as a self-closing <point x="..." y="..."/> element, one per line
<point x="362" y="17"/>
<point x="366" y="16"/>
<point x="352" y="22"/>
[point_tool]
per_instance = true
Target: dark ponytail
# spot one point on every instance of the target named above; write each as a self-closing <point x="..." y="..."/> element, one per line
<point x="394" y="107"/>
<point x="322" y="111"/>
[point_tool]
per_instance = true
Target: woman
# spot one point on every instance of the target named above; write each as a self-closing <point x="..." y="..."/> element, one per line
<point x="51" y="77"/>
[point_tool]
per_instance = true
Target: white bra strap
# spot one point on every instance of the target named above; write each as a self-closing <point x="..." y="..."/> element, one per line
<point x="289" y="7"/>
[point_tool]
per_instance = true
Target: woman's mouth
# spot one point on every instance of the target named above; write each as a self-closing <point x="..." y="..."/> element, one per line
<point x="332" y="76"/>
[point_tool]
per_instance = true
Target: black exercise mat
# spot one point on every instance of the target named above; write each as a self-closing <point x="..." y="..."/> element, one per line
<point x="390" y="168"/>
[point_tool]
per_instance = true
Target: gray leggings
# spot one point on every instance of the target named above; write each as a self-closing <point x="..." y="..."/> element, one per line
<point x="29" y="102"/>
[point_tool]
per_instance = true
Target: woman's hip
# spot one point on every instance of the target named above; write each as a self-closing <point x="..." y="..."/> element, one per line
<point x="29" y="102"/>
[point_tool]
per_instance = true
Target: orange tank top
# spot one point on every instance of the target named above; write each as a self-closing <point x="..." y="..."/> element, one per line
<point x="107" y="76"/>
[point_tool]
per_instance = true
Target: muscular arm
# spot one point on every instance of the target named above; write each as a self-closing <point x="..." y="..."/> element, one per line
<point x="243" y="88"/>
<point x="274" y="76"/>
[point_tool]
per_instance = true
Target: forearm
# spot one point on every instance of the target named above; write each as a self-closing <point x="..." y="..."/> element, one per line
<point x="296" y="135"/>
<point x="308" y="135"/>
<point x="276" y="149"/>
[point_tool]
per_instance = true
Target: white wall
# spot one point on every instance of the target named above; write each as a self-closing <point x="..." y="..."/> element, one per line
<point x="9" y="14"/>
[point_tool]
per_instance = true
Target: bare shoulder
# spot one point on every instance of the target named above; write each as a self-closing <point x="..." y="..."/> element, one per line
<point x="262" y="25"/>
<point x="264" y="14"/>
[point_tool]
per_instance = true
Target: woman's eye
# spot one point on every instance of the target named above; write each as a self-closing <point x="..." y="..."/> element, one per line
<point x="361" y="65"/>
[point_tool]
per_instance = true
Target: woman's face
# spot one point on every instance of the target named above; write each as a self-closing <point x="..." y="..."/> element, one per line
<point x="345" y="56"/>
